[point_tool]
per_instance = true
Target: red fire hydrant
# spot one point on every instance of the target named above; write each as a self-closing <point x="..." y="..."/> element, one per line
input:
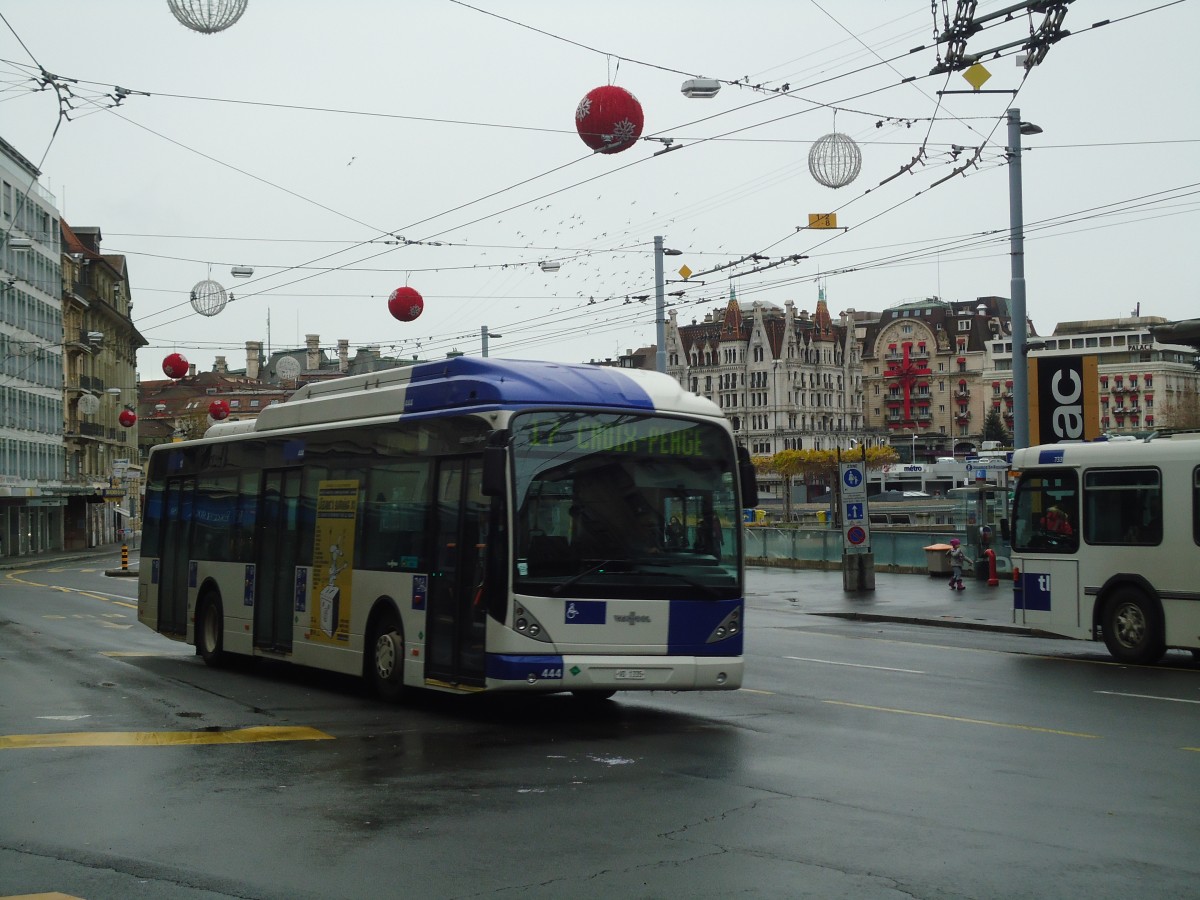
<point x="991" y="558"/>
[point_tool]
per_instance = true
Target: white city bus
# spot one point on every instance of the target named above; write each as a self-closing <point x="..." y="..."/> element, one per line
<point x="1106" y="543"/>
<point x="465" y="525"/>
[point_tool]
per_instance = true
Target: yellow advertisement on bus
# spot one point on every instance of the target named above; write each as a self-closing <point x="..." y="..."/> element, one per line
<point x="333" y="551"/>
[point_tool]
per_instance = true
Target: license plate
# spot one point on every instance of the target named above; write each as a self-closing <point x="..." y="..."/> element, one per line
<point x="630" y="674"/>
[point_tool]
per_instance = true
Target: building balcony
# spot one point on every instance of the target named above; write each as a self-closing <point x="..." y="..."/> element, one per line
<point x="963" y="394"/>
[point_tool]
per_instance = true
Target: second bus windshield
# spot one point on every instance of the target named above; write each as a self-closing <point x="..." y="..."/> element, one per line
<point x="622" y="504"/>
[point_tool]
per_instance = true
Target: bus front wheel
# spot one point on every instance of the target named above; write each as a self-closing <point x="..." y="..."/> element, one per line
<point x="1133" y="629"/>
<point x="210" y="630"/>
<point x="385" y="657"/>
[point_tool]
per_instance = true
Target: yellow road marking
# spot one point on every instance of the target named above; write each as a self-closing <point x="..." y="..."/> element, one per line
<point x="911" y="712"/>
<point x="1193" y="749"/>
<point x="162" y="738"/>
<point x="55" y="895"/>
<point x="753" y="691"/>
<point x="12" y="576"/>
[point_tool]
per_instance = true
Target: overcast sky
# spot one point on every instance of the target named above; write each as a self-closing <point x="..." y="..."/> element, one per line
<point x="309" y="138"/>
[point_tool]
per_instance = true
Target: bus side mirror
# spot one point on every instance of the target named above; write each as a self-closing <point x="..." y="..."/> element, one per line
<point x="748" y="478"/>
<point x="1004" y="530"/>
<point x="495" y="465"/>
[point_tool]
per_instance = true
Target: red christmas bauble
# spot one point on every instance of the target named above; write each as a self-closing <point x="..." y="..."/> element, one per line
<point x="219" y="409"/>
<point x="175" y="365"/>
<point x="609" y="119"/>
<point x="127" y="418"/>
<point x="405" y="304"/>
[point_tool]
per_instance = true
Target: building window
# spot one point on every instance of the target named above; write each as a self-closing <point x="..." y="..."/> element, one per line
<point x="964" y="324"/>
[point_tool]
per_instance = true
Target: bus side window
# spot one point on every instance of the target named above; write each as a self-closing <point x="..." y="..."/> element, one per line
<point x="1125" y="506"/>
<point x="394" y="521"/>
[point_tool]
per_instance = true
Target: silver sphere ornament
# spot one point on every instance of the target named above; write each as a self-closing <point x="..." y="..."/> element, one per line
<point x="209" y="298"/>
<point x="207" y="16"/>
<point x="835" y="160"/>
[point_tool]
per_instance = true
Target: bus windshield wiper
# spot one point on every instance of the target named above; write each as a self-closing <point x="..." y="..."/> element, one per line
<point x="660" y="569"/>
<point x="574" y="579"/>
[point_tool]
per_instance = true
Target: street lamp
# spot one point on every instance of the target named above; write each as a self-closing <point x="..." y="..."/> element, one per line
<point x="660" y="315"/>
<point x="484" y="334"/>
<point x="1016" y="128"/>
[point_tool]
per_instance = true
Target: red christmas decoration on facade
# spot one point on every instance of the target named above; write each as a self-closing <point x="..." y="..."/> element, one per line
<point x="219" y="409"/>
<point x="127" y="418"/>
<point x="405" y="304"/>
<point x="175" y="365"/>
<point x="609" y="119"/>
<point x="910" y="388"/>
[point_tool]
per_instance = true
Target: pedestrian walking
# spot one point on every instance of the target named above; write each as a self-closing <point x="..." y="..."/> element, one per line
<point x="958" y="559"/>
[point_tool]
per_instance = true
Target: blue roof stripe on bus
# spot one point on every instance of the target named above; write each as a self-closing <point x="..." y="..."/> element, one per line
<point x="469" y="381"/>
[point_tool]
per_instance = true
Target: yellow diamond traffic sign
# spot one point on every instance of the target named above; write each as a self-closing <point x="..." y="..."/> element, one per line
<point x="976" y="76"/>
<point x="685" y="273"/>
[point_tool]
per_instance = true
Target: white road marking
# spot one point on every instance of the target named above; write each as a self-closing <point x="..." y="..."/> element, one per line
<point x="830" y="662"/>
<point x="1147" y="697"/>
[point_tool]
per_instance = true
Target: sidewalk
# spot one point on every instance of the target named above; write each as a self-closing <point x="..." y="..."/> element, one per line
<point x="921" y="599"/>
<point x="60" y="557"/>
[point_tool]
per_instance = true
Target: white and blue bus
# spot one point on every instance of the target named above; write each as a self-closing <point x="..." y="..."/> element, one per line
<point x="1106" y="543"/>
<point x="464" y="525"/>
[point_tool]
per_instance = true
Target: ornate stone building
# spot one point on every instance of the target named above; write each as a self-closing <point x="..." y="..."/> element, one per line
<point x="785" y="379"/>
<point x="923" y="364"/>
<point x="100" y="345"/>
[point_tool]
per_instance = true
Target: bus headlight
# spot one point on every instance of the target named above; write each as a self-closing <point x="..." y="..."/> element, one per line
<point x="526" y="624"/>
<point x="727" y="627"/>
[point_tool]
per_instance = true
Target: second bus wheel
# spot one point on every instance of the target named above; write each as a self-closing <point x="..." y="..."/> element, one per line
<point x="385" y="656"/>
<point x="1133" y="627"/>
<point x="210" y="629"/>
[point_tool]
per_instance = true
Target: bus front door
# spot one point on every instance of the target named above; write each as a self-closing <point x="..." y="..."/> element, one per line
<point x="275" y="559"/>
<point x="178" y="498"/>
<point x="455" y="620"/>
<point x="1046" y="596"/>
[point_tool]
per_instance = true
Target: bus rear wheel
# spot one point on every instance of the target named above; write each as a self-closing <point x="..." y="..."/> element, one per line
<point x="385" y="657"/>
<point x="210" y="629"/>
<point x="1133" y="629"/>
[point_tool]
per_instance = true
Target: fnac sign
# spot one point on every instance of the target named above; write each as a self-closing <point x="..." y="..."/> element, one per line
<point x="1064" y="399"/>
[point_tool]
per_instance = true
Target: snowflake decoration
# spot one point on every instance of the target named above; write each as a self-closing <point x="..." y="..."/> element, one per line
<point x="623" y="132"/>
<point x="583" y="109"/>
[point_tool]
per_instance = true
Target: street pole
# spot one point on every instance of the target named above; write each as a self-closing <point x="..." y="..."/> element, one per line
<point x="1017" y="288"/>
<point x="660" y="314"/>
<point x="484" y="334"/>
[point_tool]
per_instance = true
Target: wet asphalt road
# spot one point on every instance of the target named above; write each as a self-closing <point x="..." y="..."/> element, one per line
<point x="862" y="759"/>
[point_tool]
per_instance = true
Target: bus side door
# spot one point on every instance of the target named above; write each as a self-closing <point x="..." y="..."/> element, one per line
<point x="178" y="503"/>
<point x="276" y="547"/>
<point x="455" y="620"/>
<point x="1046" y="596"/>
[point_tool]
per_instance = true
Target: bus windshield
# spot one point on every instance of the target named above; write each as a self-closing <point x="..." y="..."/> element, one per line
<point x="624" y="505"/>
